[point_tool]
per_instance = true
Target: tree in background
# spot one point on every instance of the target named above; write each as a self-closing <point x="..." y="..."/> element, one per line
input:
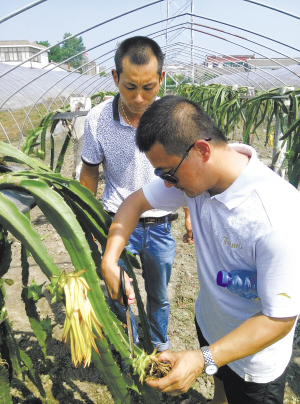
<point x="72" y="47"/>
<point x="54" y="54"/>
<point x="59" y="53"/>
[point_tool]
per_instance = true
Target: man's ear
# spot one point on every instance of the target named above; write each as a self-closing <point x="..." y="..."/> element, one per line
<point x="161" y="77"/>
<point x="203" y="147"/>
<point x="115" y="77"/>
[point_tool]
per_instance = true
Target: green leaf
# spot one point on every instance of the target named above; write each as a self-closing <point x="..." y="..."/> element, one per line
<point x="12" y="346"/>
<point x="31" y="141"/>
<point x="62" y="153"/>
<point x="32" y="374"/>
<point x="8" y="150"/>
<point x="291" y="129"/>
<point x="5" y="396"/>
<point x="46" y="122"/>
<point x="47" y="326"/>
<point x="8" y="282"/>
<point x="24" y="265"/>
<point x="34" y="320"/>
<point x="35" y="291"/>
<point x="5" y="252"/>
<point x="63" y="219"/>
<point x="18" y="224"/>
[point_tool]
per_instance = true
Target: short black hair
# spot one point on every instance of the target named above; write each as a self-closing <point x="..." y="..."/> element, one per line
<point x="139" y="49"/>
<point x="175" y="122"/>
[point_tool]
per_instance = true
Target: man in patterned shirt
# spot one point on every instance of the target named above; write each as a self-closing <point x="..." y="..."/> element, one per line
<point x="109" y="138"/>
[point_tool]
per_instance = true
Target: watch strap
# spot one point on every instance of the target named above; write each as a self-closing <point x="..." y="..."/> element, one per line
<point x="208" y="359"/>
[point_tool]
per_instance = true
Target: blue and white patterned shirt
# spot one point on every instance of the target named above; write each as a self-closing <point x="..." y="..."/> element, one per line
<point x="108" y="139"/>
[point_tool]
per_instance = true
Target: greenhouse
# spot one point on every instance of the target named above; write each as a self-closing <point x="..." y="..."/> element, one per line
<point x="236" y="64"/>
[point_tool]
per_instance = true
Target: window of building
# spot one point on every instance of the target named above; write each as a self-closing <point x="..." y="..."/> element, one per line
<point x="18" y="54"/>
<point x="235" y="64"/>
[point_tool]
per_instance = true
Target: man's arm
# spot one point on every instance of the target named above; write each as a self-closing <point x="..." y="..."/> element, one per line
<point x="188" y="236"/>
<point x="89" y="177"/>
<point x="120" y="230"/>
<point x="254" y="335"/>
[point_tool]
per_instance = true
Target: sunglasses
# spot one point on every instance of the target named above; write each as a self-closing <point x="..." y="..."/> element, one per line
<point x="170" y="178"/>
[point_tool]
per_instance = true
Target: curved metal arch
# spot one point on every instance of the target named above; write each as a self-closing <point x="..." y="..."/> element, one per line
<point x="94" y="88"/>
<point x="55" y="84"/>
<point x="78" y="54"/>
<point x="234" y="26"/>
<point x="244" y="29"/>
<point x="103" y="80"/>
<point x="202" y="68"/>
<point x="202" y="17"/>
<point x="238" y="60"/>
<point x="49" y="88"/>
<point x="273" y="8"/>
<point x="36" y="3"/>
<point x="46" y="72"/>
<point x="5" y="133"/>
<point x="26" y="74"/>
<point x="161" y="30"/>
<point x="250" y="40"/>
<point x="96" y="77"/>
<point x="227" y="68"/>
<point x="232" y="82"/>
<point x="235" y="43"/>
<point x="257" y="68"/>
<point x="77" y="78"/>
<point x="248" y="63"/>
<point x="82" y="32"/>
<point x="244" y="47"/>
<point x="256" y="43"/>
<point x="40" y="97"/>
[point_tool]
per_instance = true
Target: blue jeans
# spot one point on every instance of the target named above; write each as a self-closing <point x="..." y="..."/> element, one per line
<point x="155" y="245"/>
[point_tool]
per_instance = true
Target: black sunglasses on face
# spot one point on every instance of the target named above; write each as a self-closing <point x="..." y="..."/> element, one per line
<point x="168" y="177"/>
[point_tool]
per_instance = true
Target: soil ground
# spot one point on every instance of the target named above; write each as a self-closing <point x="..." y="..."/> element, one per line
<point x="65" y="384"/>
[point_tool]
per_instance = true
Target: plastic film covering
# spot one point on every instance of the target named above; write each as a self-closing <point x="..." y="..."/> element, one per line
<point x="263" y="80"/>
<point x="24" y="87"/>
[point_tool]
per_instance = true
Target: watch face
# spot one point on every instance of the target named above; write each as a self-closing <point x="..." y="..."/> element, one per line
<point x="211" y="369"/>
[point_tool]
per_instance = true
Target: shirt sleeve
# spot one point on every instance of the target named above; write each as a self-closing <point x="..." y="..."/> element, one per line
<point x="92" y="153"/>
<point x="161" y="197"/>
<point x="278" y="273"/>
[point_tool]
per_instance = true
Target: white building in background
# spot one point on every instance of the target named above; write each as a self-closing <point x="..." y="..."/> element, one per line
<point x="14" y="52"/>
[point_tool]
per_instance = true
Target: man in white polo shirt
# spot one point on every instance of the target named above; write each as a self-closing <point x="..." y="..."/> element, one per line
<point x="244" y="217"/>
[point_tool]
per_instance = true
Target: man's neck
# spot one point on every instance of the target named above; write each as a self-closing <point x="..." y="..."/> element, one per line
<point x="229" y="166"/>
<point x="131" y="119"/>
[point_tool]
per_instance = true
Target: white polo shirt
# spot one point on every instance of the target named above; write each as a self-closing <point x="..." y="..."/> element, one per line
<point x="253" y="225"/>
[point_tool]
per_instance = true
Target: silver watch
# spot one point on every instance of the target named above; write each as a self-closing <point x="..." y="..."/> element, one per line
<point x="210" y="367"/>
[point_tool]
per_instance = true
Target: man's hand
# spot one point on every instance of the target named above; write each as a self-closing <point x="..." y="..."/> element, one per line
<point x="186" y="367"/>
<point x="188" y="237"/>
<point x="111" y="276"/>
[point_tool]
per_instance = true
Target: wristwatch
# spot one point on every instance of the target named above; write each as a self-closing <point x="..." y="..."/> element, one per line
<point x="210" y="367"/>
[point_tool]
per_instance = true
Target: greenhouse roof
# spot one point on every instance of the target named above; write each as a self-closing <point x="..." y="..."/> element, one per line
<point x="23" y="87"/>
<point x="265" y="79"/>
<point x="206" y="45"/>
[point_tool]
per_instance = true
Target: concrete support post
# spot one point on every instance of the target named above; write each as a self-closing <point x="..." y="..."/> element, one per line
<point x="279" y="146"/>
<point x="250" y="91"/>
<point x="78" y="104"/>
